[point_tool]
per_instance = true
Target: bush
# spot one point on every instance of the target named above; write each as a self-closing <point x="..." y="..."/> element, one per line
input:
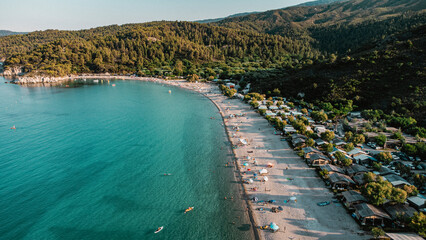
<point x="358" y="139"/>
<point x="310" y="142"/>
<point x="319" y="116"/>
<point x="385" y="157"/>
<point x="377" y="166"/>
<point x="328" y="147"/>
<point x="370" y="177"/>
<point x="377" y="232"/>
<point x="324" y="173"/>
<point x="411" y="190"/>
<point x="418" y="223"/>
<point x="348" y="136"/>
<point x="327" y="135"/>
<point x="381" y="140"/>
<point x="346" y="162"/>
<point x="349" y="147"/>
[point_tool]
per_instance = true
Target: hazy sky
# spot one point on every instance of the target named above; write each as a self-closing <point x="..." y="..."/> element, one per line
<point x="31" y="15"/>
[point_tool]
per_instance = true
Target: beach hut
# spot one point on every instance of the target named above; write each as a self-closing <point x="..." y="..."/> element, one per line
<point x="263" y="172"/>
<point x="274" y="227"/>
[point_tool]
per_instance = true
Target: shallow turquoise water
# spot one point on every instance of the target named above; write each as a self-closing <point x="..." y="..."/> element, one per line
<point x="88" y="163"/>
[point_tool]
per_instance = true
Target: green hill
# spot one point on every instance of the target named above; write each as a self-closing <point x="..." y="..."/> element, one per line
<point x="151" y="48"/>
<point x="391" y="77"/>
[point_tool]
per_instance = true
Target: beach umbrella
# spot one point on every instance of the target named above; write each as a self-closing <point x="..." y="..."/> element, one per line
<point x="270" y="165"/>
<point x="265" y="178"/>
<point x="248" y="157"/>
<point x="274" y="226"/>
<point x="250" y="180"/>
<point x="243" y="141"/>
<point x="263" y="171"/>
<point x="249" y="169"/>
<point x="245" y="164"/>
<point x="293" y="198"/>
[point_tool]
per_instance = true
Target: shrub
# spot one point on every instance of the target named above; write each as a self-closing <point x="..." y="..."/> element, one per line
<point x="381" y="140"/>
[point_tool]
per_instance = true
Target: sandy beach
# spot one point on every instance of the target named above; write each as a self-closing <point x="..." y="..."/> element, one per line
<point x="289" y="177"/>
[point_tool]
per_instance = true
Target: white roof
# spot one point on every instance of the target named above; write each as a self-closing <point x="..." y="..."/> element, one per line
<point x="263" y="107"/>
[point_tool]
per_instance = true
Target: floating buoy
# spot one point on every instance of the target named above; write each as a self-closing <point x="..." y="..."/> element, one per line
<point x="170" y="91"/>
<point x="13" y="127"/>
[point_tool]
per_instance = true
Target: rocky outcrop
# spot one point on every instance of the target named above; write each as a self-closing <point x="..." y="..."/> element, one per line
<point x="13" y="71"/>
<point x="39" y="79"/>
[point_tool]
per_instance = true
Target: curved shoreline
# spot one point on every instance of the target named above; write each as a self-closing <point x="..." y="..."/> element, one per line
<point x="245" y="195"/>
<point x="289" y="177"/>
<point x="177" y="83"/>
<point x="244" y="190"/>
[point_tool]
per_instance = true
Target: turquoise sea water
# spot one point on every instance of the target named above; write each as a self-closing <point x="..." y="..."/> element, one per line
<point x="88" y="163"/>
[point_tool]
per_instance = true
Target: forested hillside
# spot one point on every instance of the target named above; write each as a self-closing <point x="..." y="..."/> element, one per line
<point x="392" y="78"/>
<point x="337" y="27"/>
<point x="154" y="48"/>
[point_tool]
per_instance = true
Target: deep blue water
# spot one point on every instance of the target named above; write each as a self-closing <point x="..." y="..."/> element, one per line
<point x="88" y="163"/>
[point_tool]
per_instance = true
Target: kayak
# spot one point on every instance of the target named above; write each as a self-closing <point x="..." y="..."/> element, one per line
<point x="159" y="229"/>
<point x="189" y="209"/>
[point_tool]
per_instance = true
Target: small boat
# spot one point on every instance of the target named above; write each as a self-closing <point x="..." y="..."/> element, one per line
<point x="13" y="127"/>
<point x="189" y="209"/>
<point x="170" y="91"/>
<point x="167" y="174"/>
<point x="159" y="229"/>
<point x="113" y="85"/>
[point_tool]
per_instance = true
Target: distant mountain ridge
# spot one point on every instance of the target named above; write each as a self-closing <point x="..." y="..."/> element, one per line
<point x="8" y="33"/>
<point x="220" y="19"/>
<point x="320" y="2"/>
<point x="312" y="3"/>
<point x="345" y="12"/>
